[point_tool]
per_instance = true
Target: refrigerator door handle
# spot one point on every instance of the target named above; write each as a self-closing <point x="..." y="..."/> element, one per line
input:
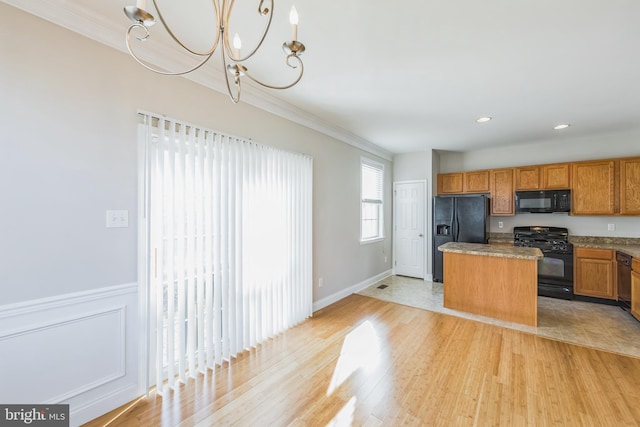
<point x="454" y="230"/>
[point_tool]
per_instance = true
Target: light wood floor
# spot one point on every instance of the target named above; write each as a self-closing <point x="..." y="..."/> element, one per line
<point x="367" y="362"/>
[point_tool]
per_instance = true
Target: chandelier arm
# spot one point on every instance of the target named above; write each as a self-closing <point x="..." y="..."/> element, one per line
<point x="235" y="99"/>
<point x="141" y="62"/>
<point x="184" y="46"/>
<point x="225" y="38"/>
<point x="246" y="73"/>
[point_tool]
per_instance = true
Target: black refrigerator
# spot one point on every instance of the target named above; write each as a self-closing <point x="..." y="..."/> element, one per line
<point x="458" y="219"/>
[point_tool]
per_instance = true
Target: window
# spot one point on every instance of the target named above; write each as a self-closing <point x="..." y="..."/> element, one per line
<point x="371" y="214"/>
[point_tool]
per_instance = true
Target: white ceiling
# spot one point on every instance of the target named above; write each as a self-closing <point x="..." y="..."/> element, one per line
<point x="414" y="75"/>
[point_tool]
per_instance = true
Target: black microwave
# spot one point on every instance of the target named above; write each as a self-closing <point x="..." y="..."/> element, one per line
<point x="546" y="201"/>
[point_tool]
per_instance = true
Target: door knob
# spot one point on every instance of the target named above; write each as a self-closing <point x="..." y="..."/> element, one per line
<point x="420" y="235"/>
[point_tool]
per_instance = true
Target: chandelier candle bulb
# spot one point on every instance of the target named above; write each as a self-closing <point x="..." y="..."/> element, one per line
<point x="141" y="4"/>
<point x="237" y="44"/>
<point x="293" y="18"/>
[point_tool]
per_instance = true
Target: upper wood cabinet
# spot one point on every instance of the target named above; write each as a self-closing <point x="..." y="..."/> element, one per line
<point x="593" y="188"/>
<point x="630" y="186"/>
<point x="502" y="188"/>
<point x="528" y="178"/>
<point x="450" y="183"/>
<point x="598" y="187"/>
<point x="544" y="177"/>
<point x="556" y="176"/>
<point x="595" y="273"/>
<point x="463" y="182"/>
<point x="476" y="181"/>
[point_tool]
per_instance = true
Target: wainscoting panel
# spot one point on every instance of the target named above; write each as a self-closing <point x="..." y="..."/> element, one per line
<point x="81" y="349"/>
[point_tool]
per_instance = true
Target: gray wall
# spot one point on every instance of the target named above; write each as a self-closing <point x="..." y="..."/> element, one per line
<point x="418" y="166"/>
<point x="620" y="144"/>
<point x="68" y="117"/>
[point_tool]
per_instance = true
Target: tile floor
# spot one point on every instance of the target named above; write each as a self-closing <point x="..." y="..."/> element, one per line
<point x="599" y="326"/>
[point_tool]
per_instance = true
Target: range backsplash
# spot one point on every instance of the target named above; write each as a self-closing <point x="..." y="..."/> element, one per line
<point x="605" y="240"/>
<point x="600" y="240"/>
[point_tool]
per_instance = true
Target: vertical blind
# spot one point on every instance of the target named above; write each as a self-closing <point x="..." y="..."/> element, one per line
<point x="229" y="245"/>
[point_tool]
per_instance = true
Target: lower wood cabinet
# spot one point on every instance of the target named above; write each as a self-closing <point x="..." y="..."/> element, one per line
<point x="635" y="289"/>
<point x="594" y="273"/>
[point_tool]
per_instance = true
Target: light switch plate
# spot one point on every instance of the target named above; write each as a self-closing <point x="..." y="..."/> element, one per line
<point x="117" y="219"/>
<point x="611" y="227"/>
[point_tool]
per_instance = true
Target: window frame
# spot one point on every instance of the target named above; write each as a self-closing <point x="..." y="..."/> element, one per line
<point x="364" y="161"/>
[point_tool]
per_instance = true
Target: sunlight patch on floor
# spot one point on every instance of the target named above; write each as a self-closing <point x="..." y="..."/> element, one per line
<point x="345" y="416"/>
<point x="360" y="350"/>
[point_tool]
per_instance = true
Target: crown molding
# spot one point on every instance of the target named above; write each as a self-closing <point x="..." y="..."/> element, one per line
<point x="86" y="22"/>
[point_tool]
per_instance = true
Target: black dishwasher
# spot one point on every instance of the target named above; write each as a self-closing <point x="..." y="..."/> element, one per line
<point x="624" y="279"/>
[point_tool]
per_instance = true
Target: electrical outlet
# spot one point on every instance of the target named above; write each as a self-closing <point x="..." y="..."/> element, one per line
<point x="320" y="282"/>
<point x="500" y="224"/>
<point x="611" y="227"/>
<point x="117" y="219"/>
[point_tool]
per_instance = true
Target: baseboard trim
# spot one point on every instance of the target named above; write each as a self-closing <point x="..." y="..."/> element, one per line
<point x="324" y="302"/>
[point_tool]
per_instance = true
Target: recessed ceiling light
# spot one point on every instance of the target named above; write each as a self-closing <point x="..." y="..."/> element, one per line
<point x="483" y="119"/>
<point x="563" y="126"/>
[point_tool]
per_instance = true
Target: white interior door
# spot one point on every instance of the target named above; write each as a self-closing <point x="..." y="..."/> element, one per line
<point x="409" y="228"/>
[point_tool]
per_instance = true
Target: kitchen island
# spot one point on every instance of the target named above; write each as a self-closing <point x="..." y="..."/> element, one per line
<point x="494" y="281"/>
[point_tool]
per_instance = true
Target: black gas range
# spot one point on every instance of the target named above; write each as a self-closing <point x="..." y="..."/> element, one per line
<point x="555" y="269"/>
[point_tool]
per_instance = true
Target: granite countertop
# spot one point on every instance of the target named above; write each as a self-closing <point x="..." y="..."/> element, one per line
<point x="629" y="246"/>
<point x="622" y="245"/>
<point x="491" y="250"/>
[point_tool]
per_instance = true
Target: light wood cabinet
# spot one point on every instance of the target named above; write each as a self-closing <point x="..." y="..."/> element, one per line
<point x="450" y="183"/>
<point x="476" y="181"/>
<point x="630" y="186"/>
<point x="528" y="178"/>
<point x="594" y="273"/>
<point x="635" y="288"/>
<point x="556" y="177"/>
<point x="463" y="182"/>
<point x="544" y="177"/>
<point x="598" y="187"/>
<point x="502" y="188"/>
<point x="593" y="189"/>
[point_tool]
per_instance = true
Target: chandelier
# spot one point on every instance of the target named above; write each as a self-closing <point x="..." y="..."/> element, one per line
<point x="231" y="58"/>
